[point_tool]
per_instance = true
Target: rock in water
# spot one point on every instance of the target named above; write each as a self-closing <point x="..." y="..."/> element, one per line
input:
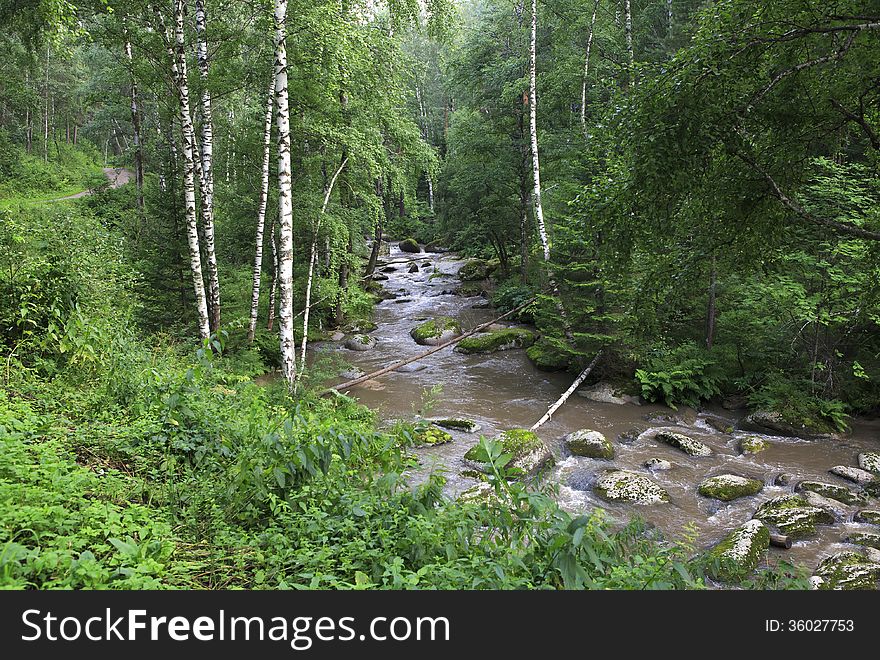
<point x="409" y="245"/>
<point x="658" y="465"/>
<point x="410" y="368"/>
<point x="414" y="268"/>
<point x="752" y="444"/>
<point x="856" y="475"/>
<point x="465" y="425"/>
<point x="837" y="509"/>
<point x="846" y="570"/>
<point x="360" y="343"/>
<point x="870" y="461"/>
<point x="835" y="492"/>
<point x="719" y="424"/>
<point x="683" y="442"/>
<point x="473" y="270"/>
<point x="591" y="444"/>
<point x="864" y="538"/>
<point x="431" y="436"/>
<point x="528" y="452"/>
<point x="436" y="331"/>
<point x="489" y="342"/>
<point x="605" y="393"/>
<point x="773" y="423"/>
<point x="624" y="486"/>
<point x="792" y="515"/>
<point x="727" y="487"/>
<point x="738" y="554"/>
<point x="868" y="516"/>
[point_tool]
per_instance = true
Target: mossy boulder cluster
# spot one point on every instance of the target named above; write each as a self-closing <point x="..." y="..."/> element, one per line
<point x="473" y="270"/>
<point x="868" y="516"/>
<point x="752" y="444"/>
<point x="625" y="486"/>
<point x="727" y="487"/>
<point x="456" y="424"/>
<point x="360" y="343"/>
<point x="845" y="571"/>
<point x="431" y="435"/>
<point x="869" y="539"/>
<point x="436" y="331"/>
<point x="775" y="423"/>
<point x="528" y="452"/>
<point x="500" y="340"/>
<point x="833" y="491"/>
<point x="590" y="444"/>
<point x="686" y="444"/>
<point x="409" y="245"/>
<point x="739" y="553"/>
<point x="838" y="510"/>
<point x="792" y="515"/>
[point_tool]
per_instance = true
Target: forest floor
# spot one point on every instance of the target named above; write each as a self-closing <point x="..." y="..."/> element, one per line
<point x="117" y="176"/>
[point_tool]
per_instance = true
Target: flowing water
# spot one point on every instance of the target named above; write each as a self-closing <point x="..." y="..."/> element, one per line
<point x="504" y="390"/>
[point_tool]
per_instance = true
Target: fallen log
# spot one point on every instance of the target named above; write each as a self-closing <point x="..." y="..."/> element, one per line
<point x="780" y="541"/>
<point x="397" y="365"/>
<point x="561" y="400"/>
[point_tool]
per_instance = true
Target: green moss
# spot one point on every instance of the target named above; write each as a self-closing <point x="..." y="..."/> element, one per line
<point x="793" y="515"/>
<point x="475" y="269"/>
<point x="465" y="425"/>
<point x="590" y="444"/>
<point x="727" y="487"/>
<point x="433" y="329"/>
<point x="868" y="516"/>
<point x="686" y="444"/>
<point x="432" y="435"/>
<point x="499" y="340"/>
<point x="546" y="358"/>
<point x="738" y="554"/>
<point x="470" y="289"/>
<point x="847" y="570"/>
<point x="752" y="444"/>
<point x="864" y="538"/>
<point x="528" y="452"/>
<point x="625" y="486"/>
<point x="409" y="245"/>
<point x="833" y="491"/>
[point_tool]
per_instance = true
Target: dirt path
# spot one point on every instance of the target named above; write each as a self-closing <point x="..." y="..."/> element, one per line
<point x="117" y="176"/>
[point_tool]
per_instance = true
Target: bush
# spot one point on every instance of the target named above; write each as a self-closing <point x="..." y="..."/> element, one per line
<point x="684" y="375"/>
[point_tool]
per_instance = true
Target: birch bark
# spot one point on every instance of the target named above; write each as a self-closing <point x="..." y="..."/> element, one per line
<point x="587" y="68"/>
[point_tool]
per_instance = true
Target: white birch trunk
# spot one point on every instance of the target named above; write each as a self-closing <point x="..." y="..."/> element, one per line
<point x="207" y="161"/>
<point x="628" y="34"/>
<point x="285" y="202"/>
<point x="261" y="213"/>
<point x="189" y="177"/>
<point x="587" y="68"/>
<point x="136" y="126"/>
<point x="273" y="284"/>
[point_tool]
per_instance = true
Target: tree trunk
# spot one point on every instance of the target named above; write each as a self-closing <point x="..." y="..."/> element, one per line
<point x="669" y="20"/>
<point x="136" y="126"/>
<point x="561" y="400"/>
<point x="285" y="201"/>
<point x="343" y="285"/>
<point x="273" y="284"/>
<point x="628" y="34"/>
<point x="189" y="179"/>
<point x="377" y="233"/>
<point x="46" y="110"/>
<point x="261" y="213"/>
<point x="587" y="69"/>
<point x="710" y="315"/>
<point x="207" y="187"/>
<point x="423" y="124"/>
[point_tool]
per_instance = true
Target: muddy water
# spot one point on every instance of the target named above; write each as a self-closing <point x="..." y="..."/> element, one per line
<point x="504" y="390"/>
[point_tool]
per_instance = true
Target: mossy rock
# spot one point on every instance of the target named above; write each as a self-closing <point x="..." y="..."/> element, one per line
<point x="456" y="424"/>
<point x="856" y="475"/>
<point x="870" y="461"/>
<point x="846" y="571"/>
<point x="409" y="245"/>
<point x="658" y="465"/>
<point x="436" y="331"/>
<point x="792" y="515"/>
<point x="686" y="444"/>
<point x="868" y="539"/>
<point x="775" y="423"/>
<point x="473" y="270"/>
<point x="833" y="491"/>
<point x="501" y="340"/>
<point x="528" y="452"/>
<point x="625" y="486"/>
<point x="739" y="553"/>
<point x="727" y="487"/>
<point x="431" y="436"/>
<point x="546" y="358"/>
<point x="752" y="444"/>
<point x="361" y="327"/>
<point x="719" y="424"/>
<point x="360" y="343"/>
<point x="868" y="516"/>
<point x="838" y="510"/>
<point x="470" y="290"/>
<point x="590" y="444"/>
<point x="481" y="493"/>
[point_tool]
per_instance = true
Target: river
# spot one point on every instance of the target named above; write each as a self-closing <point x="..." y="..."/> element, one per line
<point x="504" y="390"/>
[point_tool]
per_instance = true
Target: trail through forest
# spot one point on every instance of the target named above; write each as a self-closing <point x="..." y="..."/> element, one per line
<point x="116" y="177"/>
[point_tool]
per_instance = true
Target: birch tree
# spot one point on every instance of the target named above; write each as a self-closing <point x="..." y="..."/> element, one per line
<point x="628" y="35"/>
<point x="136" y="124"/>
<point x="261" y="213"/>
<point x="587" y="68"/>
<point x="285" y="202"/>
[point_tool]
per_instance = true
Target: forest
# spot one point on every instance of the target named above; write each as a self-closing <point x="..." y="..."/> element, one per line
<point x="440" y="294"/>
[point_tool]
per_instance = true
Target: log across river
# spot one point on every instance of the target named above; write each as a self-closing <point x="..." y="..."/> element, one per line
<point x="504" y="390"/>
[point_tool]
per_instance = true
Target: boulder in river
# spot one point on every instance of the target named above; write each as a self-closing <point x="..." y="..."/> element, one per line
<point x="360" y="343"/>
<point x="389" y="269"/>
<point x="727" y="487"/>
<point x="470" y="290"/>
<point x="846" y="570"/>
<point x="856" y="475"/>
<point x="752" y="444"/>
<point x="625" y="486"/>
<point x="774" y="423"/>
<point x="473" y="270"/>
<point x="837" y="509"/>
<point x="431" y="435"/>
<point x="658" y="465"/>
<point x="792" y="515"/>
<point x="413" y="268"/>
<point x="739" y="553"/>
<point x="379" y="277"/>
<point x="412" y="367"/>
<point x="457" y="424"/>
<point x="868" y="516"/>
<point x="718" y="423"/>
<point x="436" y="331"/>
<point x="590" y="444"/>
<point x="528" y="452"/>
<point x="870" y="461"/>
<point x="502" y="340"/>
<point x="684" y="443"/>
<point x="869" y="539"/>
<point x="409" y="245"/>
<point x="606" y="393"/>
<point x="835" y="492"/>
